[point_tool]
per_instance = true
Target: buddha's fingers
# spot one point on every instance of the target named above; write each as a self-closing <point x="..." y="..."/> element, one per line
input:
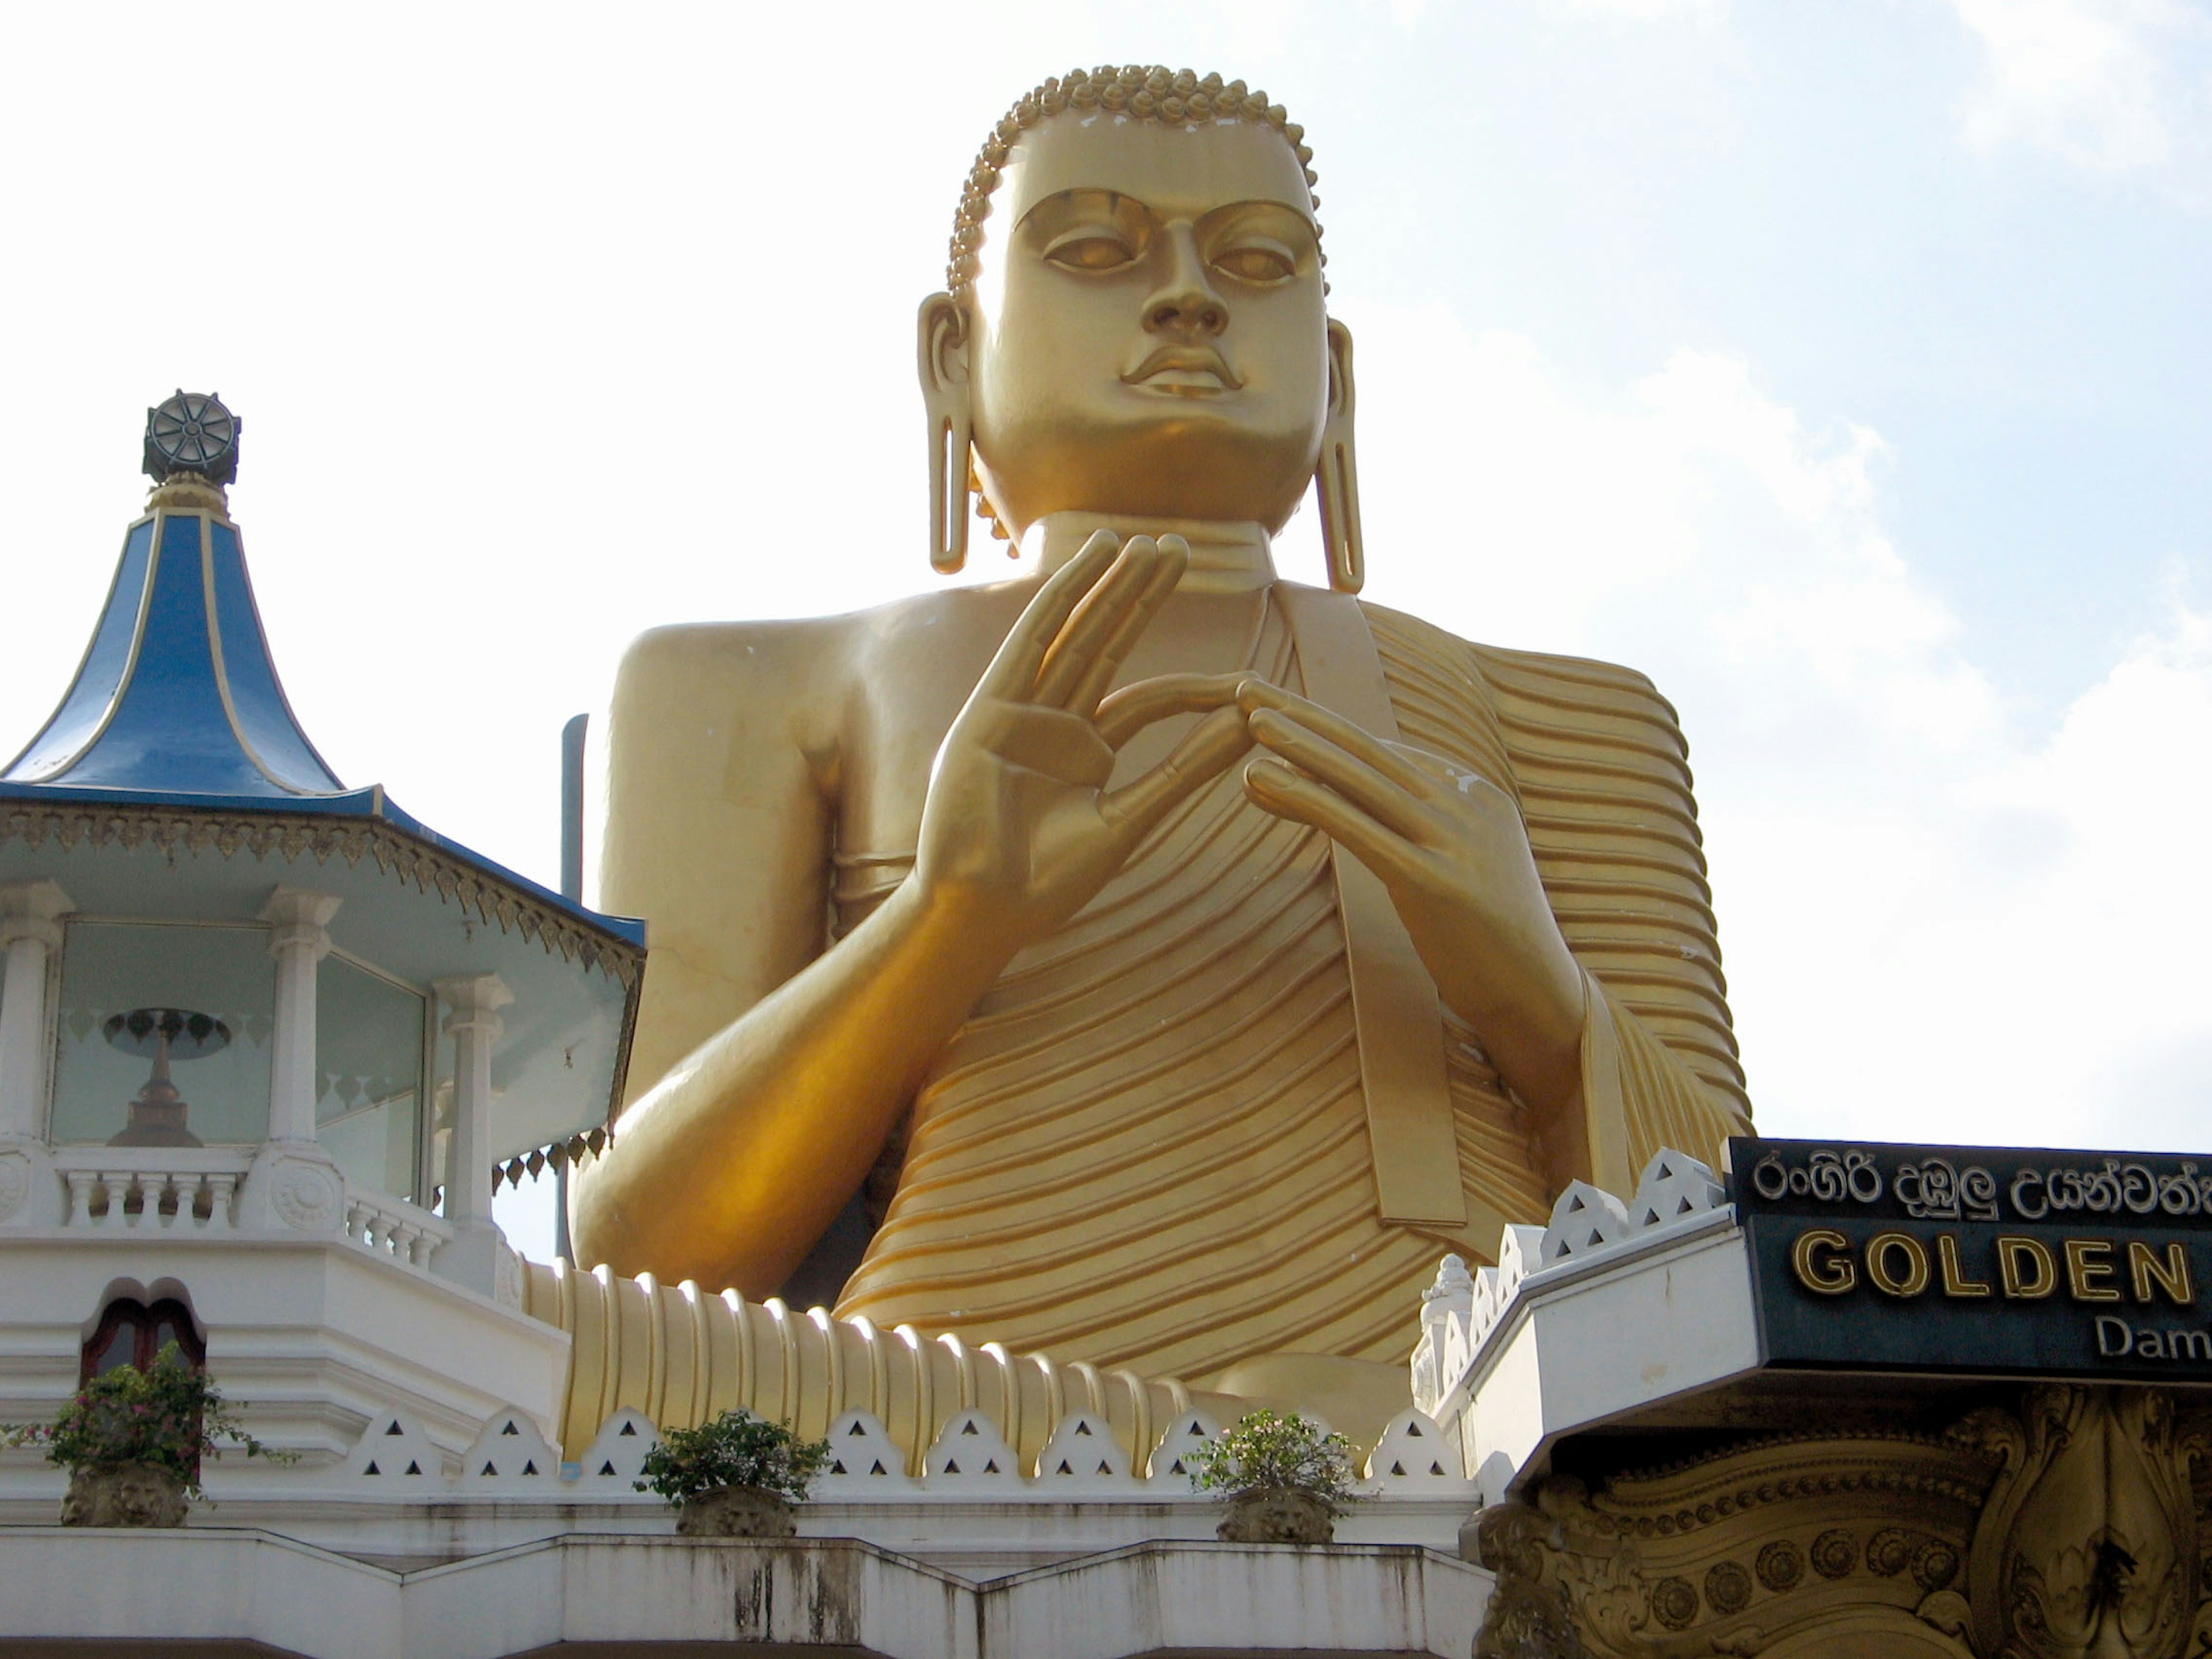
<point x="1102" y="616"/>
<point x="1257" y="695"/>
<point x="1013" y="671"/>
<point x="1288" y="793"/>
<point x="1134" y="707"/>
<point x="1388" y="789"/>
<point x="1199" y="759"/>
<point x="1174" y="559"/>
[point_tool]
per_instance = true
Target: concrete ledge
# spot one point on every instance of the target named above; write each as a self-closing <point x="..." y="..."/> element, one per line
<point x="1582" y="1348"/>
<point x="245" y="1591"/>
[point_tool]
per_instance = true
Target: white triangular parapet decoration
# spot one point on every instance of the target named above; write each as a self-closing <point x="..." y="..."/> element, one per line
<point x="1676" y="1186"/>
<point x="1083" y="1458"/>
<point x="865" y="1461"/>
<point x="1520" y="1253"/>
<point x="616" y="1456"/>
<point x="512" y="1456"/>
<point x="1413" y="1457"/>
<point x="1170" y="1469"/>
<point x="394" y="1456"/>
<point x="971" y="1456"/>
<point x="1489" y="1303"/>
<point x="1585" y="1220"/>
<point x="1447" y="1324"/>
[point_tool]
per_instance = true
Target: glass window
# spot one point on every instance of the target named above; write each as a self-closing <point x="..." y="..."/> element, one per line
<point x="138" y="998"/>
<point x="132" y="1334"/>
<point x="369" y="1064"/>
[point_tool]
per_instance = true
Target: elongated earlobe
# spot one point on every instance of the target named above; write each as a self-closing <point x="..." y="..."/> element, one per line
<point x="1337" y="476"/>
<point x="949" y="439"/>
<point x="942" y="338"/>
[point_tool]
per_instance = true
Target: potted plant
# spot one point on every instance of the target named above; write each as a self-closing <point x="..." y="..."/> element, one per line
<point x="133" y="1442"/>
<point x="1286" y="1480"/>
<point x="737" y="1477"/>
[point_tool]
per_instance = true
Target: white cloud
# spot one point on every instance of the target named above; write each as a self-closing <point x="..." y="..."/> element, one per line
<point x="1705" y="14"/>
<point x="1935" y="926"/>
<point x="2101" y="83"/>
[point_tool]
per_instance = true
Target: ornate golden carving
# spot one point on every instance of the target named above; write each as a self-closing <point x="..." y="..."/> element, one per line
<point x="188" y="492"/>
<point x="2066" y="1528"/>
<point x="2089" y="1542"/>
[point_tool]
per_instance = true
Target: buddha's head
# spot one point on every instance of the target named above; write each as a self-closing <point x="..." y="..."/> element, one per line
<point x="1134" y="322"/>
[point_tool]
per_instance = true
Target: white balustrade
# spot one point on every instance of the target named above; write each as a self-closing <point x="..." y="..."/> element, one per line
<point x="392" y="1226"/>
<point x="194" y="1192"/>
<point x="190" y="1192"/>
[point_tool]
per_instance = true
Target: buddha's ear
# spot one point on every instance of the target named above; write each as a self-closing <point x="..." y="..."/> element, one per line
<point x="1337" y="475"/>
<point x="941" y="336"/>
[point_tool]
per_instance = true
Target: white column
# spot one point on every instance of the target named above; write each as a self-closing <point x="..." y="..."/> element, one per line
<point x="30" y="932"/>
<point x="472" y="1257"/>
<point x="298" y="938"/>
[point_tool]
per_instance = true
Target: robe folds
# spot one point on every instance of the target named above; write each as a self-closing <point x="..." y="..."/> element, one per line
<point x="1148" y="1148"/>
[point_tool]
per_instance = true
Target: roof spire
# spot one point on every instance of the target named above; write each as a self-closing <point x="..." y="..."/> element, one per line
<point x="178" y="693"/>
<point x="192" y="453"/>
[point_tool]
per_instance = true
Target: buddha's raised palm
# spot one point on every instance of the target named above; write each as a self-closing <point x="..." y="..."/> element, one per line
<point x="1018" y="830"/>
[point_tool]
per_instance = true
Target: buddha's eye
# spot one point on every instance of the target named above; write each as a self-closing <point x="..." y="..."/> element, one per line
<point x="1089" y="250"/>
<point x="1251" y="262"/>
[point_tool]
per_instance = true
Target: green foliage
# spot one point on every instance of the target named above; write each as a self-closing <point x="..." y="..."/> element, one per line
<point x="170" y="1416"/>
<point x="1264" y="1450"/>
<point x="736" y="1449"/>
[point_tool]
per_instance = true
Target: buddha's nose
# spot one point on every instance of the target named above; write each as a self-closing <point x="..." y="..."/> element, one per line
<point x="1186" y="302"/>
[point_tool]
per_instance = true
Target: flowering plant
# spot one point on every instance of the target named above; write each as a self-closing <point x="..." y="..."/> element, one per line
<point x="168" y="1416"/>
<point x="736" y="1449"/>
<point x="1265" y="1452"/>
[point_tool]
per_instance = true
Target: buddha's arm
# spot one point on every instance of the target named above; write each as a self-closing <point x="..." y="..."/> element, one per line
<point x="729" y="1167"/>
<point x="722" y="775"/>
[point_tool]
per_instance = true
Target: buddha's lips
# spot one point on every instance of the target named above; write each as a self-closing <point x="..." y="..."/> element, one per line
<point x="1184" y="360"/>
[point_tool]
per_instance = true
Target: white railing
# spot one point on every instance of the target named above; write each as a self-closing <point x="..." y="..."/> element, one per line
<point x="385" y="1226"/>
<point x="148" y="1189"/>
<point x="194" y="1191"/>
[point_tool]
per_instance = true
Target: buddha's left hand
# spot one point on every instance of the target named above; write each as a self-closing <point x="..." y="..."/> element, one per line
<point x="1449" y="847"/>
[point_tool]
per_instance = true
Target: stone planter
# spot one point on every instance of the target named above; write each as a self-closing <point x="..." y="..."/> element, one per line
<point x="127" y="1495"/>
<point x="1277" y="1515"/>
<point x="735" y="1512"/>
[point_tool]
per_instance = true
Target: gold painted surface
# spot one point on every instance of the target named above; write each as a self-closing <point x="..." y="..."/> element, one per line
<point x="1147" y="1145"/>
<point x="1020" y="902"/>
<point x="2065" y="1525"/>
<point x="683" y="1356"/>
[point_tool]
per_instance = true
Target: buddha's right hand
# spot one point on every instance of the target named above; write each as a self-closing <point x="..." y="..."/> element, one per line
<point x="1018" y="830"/>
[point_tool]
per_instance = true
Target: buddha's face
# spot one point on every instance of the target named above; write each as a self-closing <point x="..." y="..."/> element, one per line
<point x="1147" y="335"/>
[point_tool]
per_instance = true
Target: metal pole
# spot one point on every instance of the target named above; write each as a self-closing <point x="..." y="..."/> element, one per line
<point x="572" y="887"/>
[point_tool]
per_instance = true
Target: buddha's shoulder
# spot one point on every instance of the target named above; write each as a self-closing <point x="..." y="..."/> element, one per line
<point x="800" y="658"/>
<point x="1530" y="688"/>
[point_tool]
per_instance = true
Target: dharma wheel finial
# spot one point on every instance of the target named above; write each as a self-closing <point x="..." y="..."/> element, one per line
<point x="192" y="433"/>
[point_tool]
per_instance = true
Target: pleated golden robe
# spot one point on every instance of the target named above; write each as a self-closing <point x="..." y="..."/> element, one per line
<point x="1148" y="1147"/>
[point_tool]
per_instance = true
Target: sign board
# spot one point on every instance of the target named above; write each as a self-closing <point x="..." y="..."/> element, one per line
<point x="1994" y="1261"/>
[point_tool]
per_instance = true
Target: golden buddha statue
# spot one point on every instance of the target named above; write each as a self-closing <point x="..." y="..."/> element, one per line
<point x="1186" y="958"/>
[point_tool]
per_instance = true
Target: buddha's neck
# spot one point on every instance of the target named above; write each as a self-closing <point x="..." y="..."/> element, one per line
<point x="1225" y="558"/>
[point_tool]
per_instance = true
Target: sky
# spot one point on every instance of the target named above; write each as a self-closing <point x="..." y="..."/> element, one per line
<point x="1842" y="364"/>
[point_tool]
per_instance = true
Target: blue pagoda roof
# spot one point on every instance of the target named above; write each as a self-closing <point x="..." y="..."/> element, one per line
<point x="177" y="703"/>
<point x="178" y="693"/>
